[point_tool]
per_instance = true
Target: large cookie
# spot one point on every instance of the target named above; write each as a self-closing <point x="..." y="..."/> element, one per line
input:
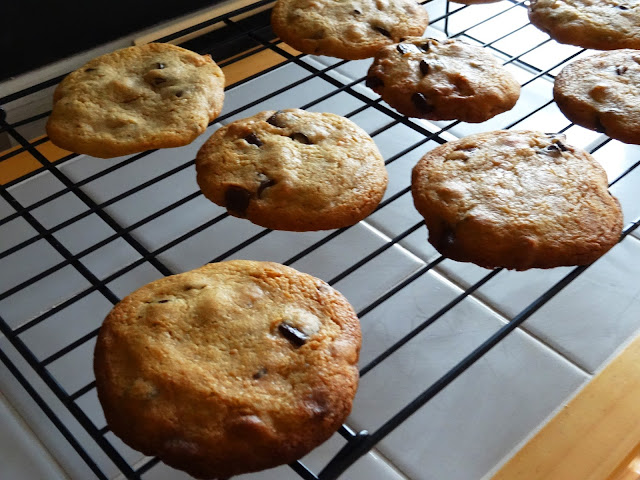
<point x="442" y="80"/>
<point x="139" y="98"/>
<point x="601" y="92"/>
<point x="230" y="368"/>
<point x="599" y="24"/>
<point x="516" y="199"/>
<point x="350" y="30"/>
<point x="293" y="170"/>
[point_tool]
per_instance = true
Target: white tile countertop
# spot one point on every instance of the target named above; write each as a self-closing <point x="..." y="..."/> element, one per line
<point x="465" y="431"/>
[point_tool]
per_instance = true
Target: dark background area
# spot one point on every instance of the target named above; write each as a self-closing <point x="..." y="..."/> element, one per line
<point x="35" y="33"/>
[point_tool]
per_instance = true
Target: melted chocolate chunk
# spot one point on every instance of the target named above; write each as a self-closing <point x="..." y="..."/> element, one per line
<point x="425" y="47"/>
<point x="295" y="336"/>
<point x="621" y="69"/>
<point x="424" y="67"/>
<point x="623" y="7"/>
<point x="301" y="137"/>
<point x="406" y="48"/>
<point x="421" y="103"/>
<point x="374" y="82"/>
<point x="90" y="70"/>
<point x="265" y="182"/>
<point x="160" y="66"/>
<point x="162" y="301"/>
<point x="159" y="81"/>
<point x="260" y="373"/>
<point x="237" y="199"/>
<point x="383" y="31"/>
<point x="555" y="148"/>
<point x="179" y="93"/>
<point x="357" y="12"/>
<point x="273" y="120"/>
<point x="253" y="140"/>
<point x="447" y="238"/>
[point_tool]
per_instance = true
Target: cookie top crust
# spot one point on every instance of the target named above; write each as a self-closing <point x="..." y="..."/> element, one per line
<point x="150" y="96"/>
<point x="293" y="170"/>
<point x="516" y="199"/>
<point x="442" y="80"/>
<point x="601" y="92"/>
<point x="233" y="367"/>
<point x="346" y="29"/>
<point x="598" y="24"/>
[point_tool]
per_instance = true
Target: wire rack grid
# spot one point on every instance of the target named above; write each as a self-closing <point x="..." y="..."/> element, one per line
<point x="237" y="41"/>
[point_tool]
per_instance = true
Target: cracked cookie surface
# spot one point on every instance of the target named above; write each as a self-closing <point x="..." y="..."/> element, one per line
<point x="442" y="80"/>
<point x="293" y="170"/>
<point x="598" y="24"/>
<point x="233" y="367"/>
<point x="346" y="29"/>
<point x="150" y="96"/>
<point x="516" y="199"/>
<point x="601" y="92"/>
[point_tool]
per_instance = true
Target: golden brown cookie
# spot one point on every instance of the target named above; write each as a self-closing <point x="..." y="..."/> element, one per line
<point x="150" y="96"/>
<point x="230" y="368"/>
<point x="293" y="170"/>
<point x="601" y="92"/>
<point x="442" y="80"/>
<point x="599" y="24"/>
<point x="350" y="30"/>
<point x="516" y="199"/>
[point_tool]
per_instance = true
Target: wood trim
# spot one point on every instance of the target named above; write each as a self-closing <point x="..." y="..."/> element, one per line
<point x="596" y="436"/>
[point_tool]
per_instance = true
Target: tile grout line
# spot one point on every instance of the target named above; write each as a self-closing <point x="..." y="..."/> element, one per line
<point x="502" y="316"/>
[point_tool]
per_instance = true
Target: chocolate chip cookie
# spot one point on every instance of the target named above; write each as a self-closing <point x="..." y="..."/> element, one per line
<point x="598" y="24"/>
<point x="601" y="92"/>
<point x="293" y="170"/>
<point x="516" y="199"/>
<point x="442" y="80"/>
<point x="230" y="368"/>
<point x="139" y="98"/>
<point x="350" y="30"/>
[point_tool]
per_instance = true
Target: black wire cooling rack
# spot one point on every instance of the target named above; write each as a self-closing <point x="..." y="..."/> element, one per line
<point x="237" y="40"/>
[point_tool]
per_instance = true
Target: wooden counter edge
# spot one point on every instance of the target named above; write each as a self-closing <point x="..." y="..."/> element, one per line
<point x="596" y="436"/>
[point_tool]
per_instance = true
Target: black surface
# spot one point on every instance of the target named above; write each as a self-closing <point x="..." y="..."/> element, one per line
<point x="35" y="33"/>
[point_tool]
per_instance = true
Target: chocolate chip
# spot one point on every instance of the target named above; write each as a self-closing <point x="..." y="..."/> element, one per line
<point x="425" y="47"/>
<point x="237" y="200"/>
<point x="374" y="82"/>
<point x="421" y="103"/>
<point x="273" y="120"/>
<point x="553" y="149"/>
<point x="260" y="373"/>
<point x="404" y="48"/>
<point x="253" y="140"/>
<point x="265" y="182"/>
<point x="179" y="93"/>
<point x="561" y="146"/>
<point x="623" y="7"/>
<point x="90" y="70"/>
<point x="162" y="301"/>
<point x="301" y="137"/>
<point x="424" y="67"/>
<point x="159" y="66"/>
<point x="621" y="69"/>
<point x="383" y="31"/>
<point x="357" y="12"/>
<point x="295" y="336"/>
<point x="446" y="239"/>
<point x="159" y="80"/>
